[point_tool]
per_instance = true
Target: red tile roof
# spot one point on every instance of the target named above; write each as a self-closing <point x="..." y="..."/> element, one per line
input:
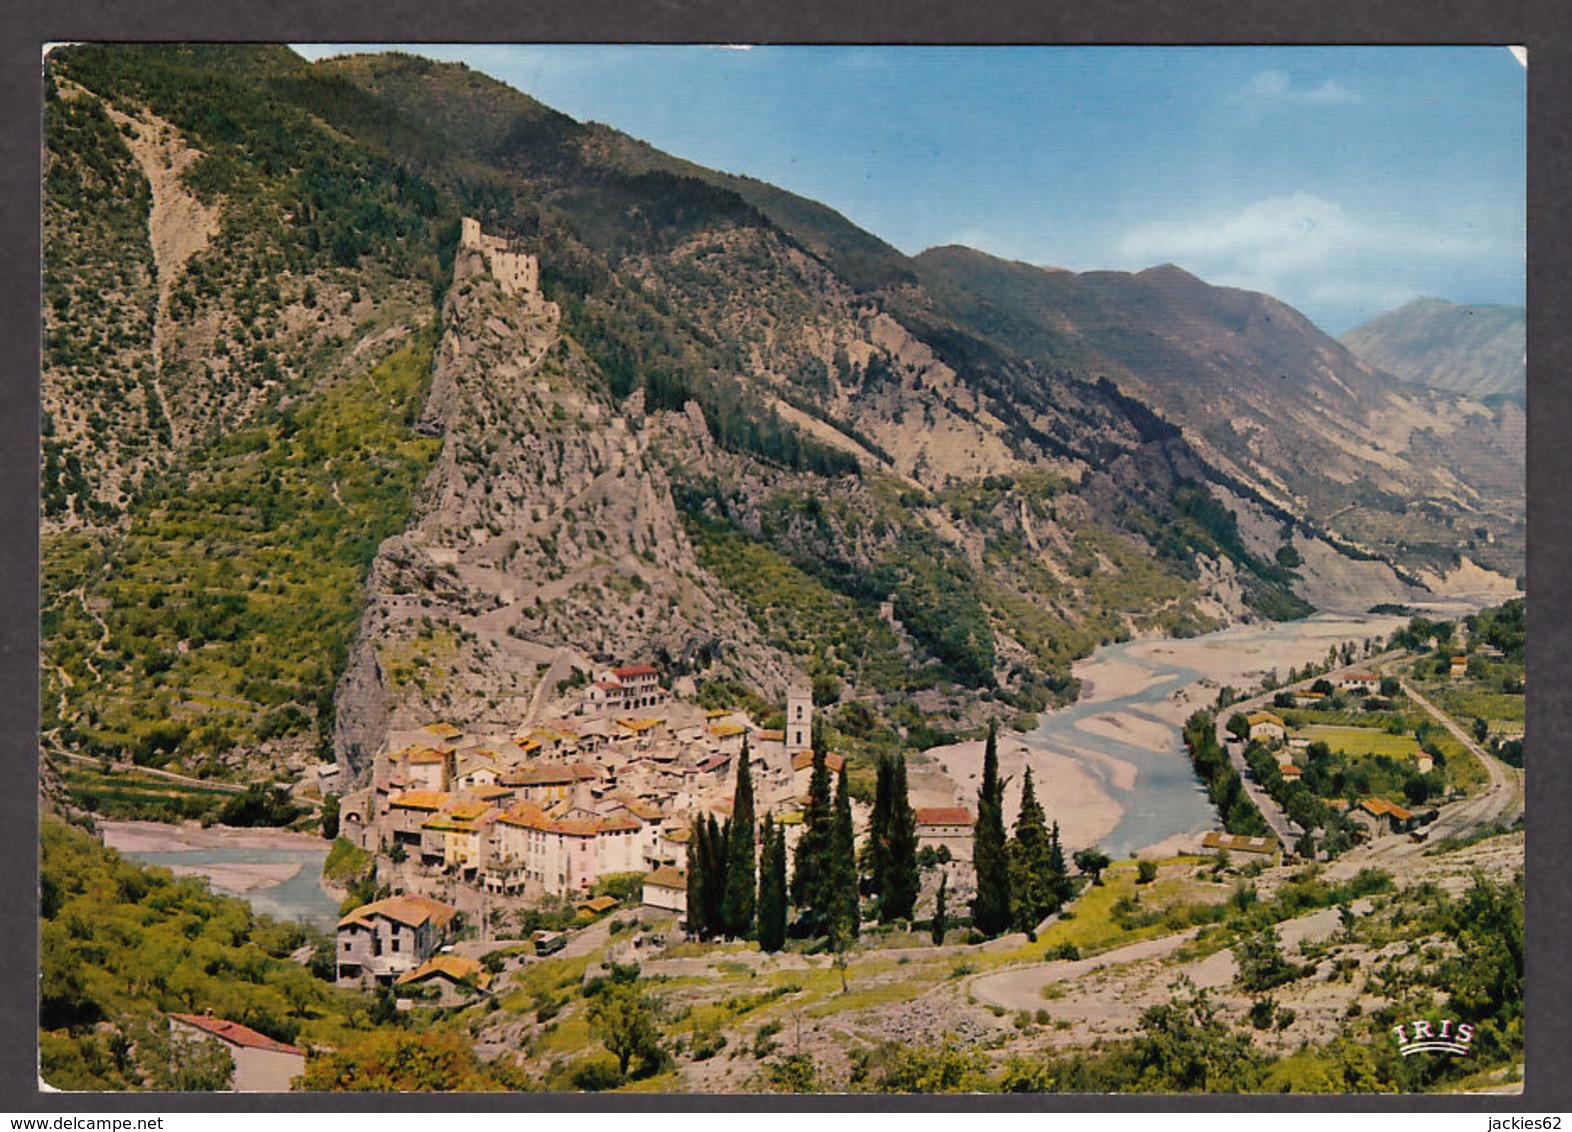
<point x="668" y="876"/>
<point x="944" y="815"/>
<point x="548" y="775"/>
<point x="454" y="968"/>
<point x="530" y="816"/>
<point x="804" y="759"/>
<point x="409" y="909"/>
<point x="235" y="1034"/>
<point x="420" y="800"/>
<point x="1380" y="806"/>
<point x="635" y="670"/>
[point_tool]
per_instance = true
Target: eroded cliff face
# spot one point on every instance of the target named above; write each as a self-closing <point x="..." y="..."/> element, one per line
<point x="544" y="539"/>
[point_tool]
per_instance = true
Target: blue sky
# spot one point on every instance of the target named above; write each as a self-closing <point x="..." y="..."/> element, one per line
<point x="1343" y="180"/>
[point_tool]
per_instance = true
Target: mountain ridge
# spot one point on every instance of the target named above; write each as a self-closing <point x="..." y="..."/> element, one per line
<point x="818" y="423"/>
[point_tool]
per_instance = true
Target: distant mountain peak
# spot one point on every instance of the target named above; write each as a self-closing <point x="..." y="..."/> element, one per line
<point x="1476" y="349"/>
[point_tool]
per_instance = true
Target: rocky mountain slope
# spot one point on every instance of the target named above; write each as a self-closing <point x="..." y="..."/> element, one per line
<point x="361" y="476"/>
<point x="1476" y="350"/>
<point x="545" y="536"/>
<point x="1406" y="473"/>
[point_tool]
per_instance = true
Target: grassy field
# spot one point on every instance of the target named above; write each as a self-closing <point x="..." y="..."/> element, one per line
<point x="1360" y="740"/>
<point x="1464" y="704"/>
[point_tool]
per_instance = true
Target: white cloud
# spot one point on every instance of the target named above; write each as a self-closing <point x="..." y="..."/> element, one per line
<point x="1272" y="90"/>
<point x="1312" y="253"/>
<point x="1263" y="239"/>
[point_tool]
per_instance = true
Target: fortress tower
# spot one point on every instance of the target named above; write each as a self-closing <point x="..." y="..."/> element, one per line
<point x="517" y="272"/>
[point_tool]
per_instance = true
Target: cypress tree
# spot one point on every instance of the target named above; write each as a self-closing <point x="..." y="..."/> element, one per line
<point x="737" y="906"/>
<point x="991" y="906"/>
<point x="713" y="852"/>
<point x="876" y="854"/>
<point x="695" y="913"/>
<point x="772" y="887"/>
<point x="902" y="881"/>
<point x="810" y="869"/>
<point x="940" y="923"/>
<point x="841" y="912"/>
<point x="1058" y="872"/>
<point x="1031" y="881"/>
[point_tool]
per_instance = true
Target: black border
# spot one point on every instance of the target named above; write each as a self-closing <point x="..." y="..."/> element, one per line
<point x="31" y="23"/>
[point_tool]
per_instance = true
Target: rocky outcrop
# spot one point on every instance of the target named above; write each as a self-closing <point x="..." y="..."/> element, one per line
<point x="544" y="539"/>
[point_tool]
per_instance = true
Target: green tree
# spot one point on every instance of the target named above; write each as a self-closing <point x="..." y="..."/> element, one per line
<point x="948" y="1069"/>
<point x="738" y="903"/>
<point x="876" y="852"/>
<point x="200" y="1066"/>
<point x="841" y="912"/>
<point x="330" y="817"/>
<point x="1184" y="1047"/>
<point x="811" y="865"/>
<point x="1030" y="867"/>
<point x="1261" y="962"/>
<point x="706" y="877"/>
<point x="624" y="1021"/>
<point x="772" y="887"/>
<point x="991" y="906"/>
<point x="696" y="879"/>
<point x="1058" y="872"/>
<point x="902" y="878"/>
<point x="1092" y="861"/>
<point x="401" y="1061"/>
<point x="940" y="922"/>
<point x="794" y="1073"/>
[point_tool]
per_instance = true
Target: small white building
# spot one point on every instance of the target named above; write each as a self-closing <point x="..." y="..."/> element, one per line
<point x="952" y="827"/>
<point x="262" y="1065"/>
<point x="667" y="887"/>
<point x="630" y="688"/>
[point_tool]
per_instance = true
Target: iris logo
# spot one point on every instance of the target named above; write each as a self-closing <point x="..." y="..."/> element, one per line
<point x="1424" y="1036"/>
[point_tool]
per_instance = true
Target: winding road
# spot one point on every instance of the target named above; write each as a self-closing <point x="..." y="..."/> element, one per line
<point x="1021" y="988"/>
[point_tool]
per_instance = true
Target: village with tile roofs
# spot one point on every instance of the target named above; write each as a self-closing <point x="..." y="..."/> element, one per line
<point x="495" y="822"/>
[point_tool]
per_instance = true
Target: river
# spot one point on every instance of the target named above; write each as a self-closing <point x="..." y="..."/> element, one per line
<point x="276" y="872"/>
<point x="1124" y="734"/>
<point x="1125" y="730"/>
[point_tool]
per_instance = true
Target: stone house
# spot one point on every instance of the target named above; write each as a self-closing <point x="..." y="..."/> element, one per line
<point x="465" y="833"/>
<point x="453" y="979"/>
<point x="1239" y="843"/>
<point x="1380" y="816"/>
<point x="380" y="941"/>
<point x="409" y="811"/>
<point x="545" y="784"/>
<point x="633" y="687"/>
